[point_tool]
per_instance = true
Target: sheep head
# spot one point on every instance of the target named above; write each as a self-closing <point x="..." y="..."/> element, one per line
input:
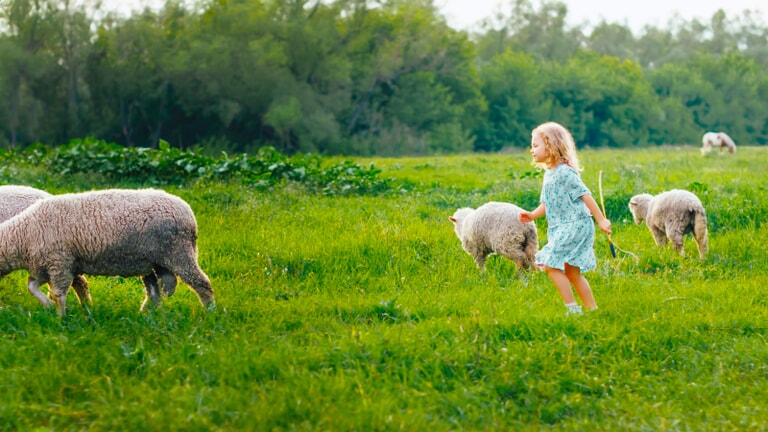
<point x="459" y="217"/>
<point x="638" y="205"/>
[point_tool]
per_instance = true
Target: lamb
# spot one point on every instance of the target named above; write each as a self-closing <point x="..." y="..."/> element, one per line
<point x="115" y="232"/>
<point x="720" y="140"/>
<point x="494" y="228"/>
<point x="671" y="215"/>
<point x="13" y="200"/>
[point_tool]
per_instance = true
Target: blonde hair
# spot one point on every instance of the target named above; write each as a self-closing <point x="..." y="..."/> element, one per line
<point x="559" y="144"/>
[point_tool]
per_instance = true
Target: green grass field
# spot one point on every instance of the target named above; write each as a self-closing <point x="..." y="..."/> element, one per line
<point x="364" y="313"/>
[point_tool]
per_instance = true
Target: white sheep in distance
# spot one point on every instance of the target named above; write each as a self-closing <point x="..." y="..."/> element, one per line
<point x="115" y="232"/>
<point x="671" y="215"/>
<point x="16" y="198"/>
<point x="494" y="228"/>
<point x="720" y="140"/>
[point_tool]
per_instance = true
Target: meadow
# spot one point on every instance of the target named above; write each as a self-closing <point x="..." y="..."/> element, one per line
<point x="362" y="312"/>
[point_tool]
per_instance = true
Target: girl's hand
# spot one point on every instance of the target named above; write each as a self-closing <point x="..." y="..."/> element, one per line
<point x="525" y="216"/>
<point x="605" y="225"/>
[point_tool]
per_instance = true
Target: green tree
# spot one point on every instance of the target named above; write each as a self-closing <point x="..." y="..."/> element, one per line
<point x="681" y="92"/>
<point x="542" y="32"/>
<point x="226" y="72"/>
<point x="604" y="100"/>
<point x="613" y="40"/>
<point x="415" y="86"/>
<point x="734" y="105"/>
<point x="655" y="48"/>
<point x="283" y="116"/>
<point x="752" y="36"/>
<point x="63" y="85"/>
<point x="24" y="60"/>
<point x="129" y="77"/>
<point x="246" y="63"/>
<point x="517" y="102"/>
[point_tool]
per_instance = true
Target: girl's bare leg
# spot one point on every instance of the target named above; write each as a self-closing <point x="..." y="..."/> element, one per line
<point x="581" y="285"/>
<point x="561" y="282"/>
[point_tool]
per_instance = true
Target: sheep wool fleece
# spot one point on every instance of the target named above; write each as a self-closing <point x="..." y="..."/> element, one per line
<point x="570" y="230"/>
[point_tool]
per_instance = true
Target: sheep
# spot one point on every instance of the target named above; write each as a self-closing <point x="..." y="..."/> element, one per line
<point x="494" y="228"/>
<point x="13" y="200"/>
<point x="720" y="140"/>
<point x="671" y="215"/>
<point x="115" y="232"/>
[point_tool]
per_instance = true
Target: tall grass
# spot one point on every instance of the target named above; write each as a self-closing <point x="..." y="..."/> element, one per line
<point x="364" y="313"/>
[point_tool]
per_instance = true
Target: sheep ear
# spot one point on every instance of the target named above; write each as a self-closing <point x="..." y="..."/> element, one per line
<point x="452" y="219"/>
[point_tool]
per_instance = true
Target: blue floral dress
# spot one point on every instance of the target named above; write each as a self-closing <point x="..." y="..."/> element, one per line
<point x="570" y="230"/>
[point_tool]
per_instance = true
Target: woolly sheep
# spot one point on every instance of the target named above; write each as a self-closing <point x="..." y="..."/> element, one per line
<point x="671" y="215"/>
<point x="494" y="228"/>
<point x="13" y="200"/>
<point x="720" y="140"/>
<point x="115" y="232"/>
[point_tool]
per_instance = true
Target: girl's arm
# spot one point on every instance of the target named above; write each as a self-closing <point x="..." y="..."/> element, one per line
<point x="528" y="216"/>
<point x="602" y="221"/>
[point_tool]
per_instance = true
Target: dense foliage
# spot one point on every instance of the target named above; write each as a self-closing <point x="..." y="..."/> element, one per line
<point x="98" y="161"/>
<point x="362" y="77"/>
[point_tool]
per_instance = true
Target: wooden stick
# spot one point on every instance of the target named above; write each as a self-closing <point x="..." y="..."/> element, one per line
<point x="602" y="202"/>
<point x="610" y="241"/>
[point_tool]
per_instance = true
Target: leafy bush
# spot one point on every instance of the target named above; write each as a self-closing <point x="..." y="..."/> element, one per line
<point x="167" y="165"/>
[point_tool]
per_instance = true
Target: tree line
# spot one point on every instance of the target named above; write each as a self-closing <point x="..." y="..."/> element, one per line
<point x="371" y="77"/>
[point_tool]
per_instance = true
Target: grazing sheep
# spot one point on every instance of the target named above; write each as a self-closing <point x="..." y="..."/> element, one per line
<point x="671" y="215"/>
<point x="13" y="200"/>
<point x="494" y="228"/>
<point x="147" y="233"/>
<point x="720" y="140"/>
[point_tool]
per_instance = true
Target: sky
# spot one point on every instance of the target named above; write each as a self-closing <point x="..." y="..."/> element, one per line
<point x="465" y="14"/>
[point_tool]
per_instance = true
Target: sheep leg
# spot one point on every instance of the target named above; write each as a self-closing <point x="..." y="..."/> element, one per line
<point x="80" y="285"/>
<point x="33" y="285"/>
<point x="676" y="238"/>
<point x="477" y="252"/>
<point x="701" y="244"/>
<point x="531" y="248"/>
<point x="700" y="234"/>
<point x="517" y="258"/>
<point x="59" y="287"/>
<point x="194" y="276"/>
<point x="480" y="261"/>
<point x="659" y="236"/>
<point x="168" y="279"/>
<point x="523" y="258"/>
<point x="152" y="291"/>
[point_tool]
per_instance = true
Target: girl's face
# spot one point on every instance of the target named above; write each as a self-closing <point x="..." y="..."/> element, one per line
<point x="539" y="149"/>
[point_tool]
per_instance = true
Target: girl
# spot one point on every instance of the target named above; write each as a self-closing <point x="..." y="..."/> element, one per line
<point x="567" y="203"/>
